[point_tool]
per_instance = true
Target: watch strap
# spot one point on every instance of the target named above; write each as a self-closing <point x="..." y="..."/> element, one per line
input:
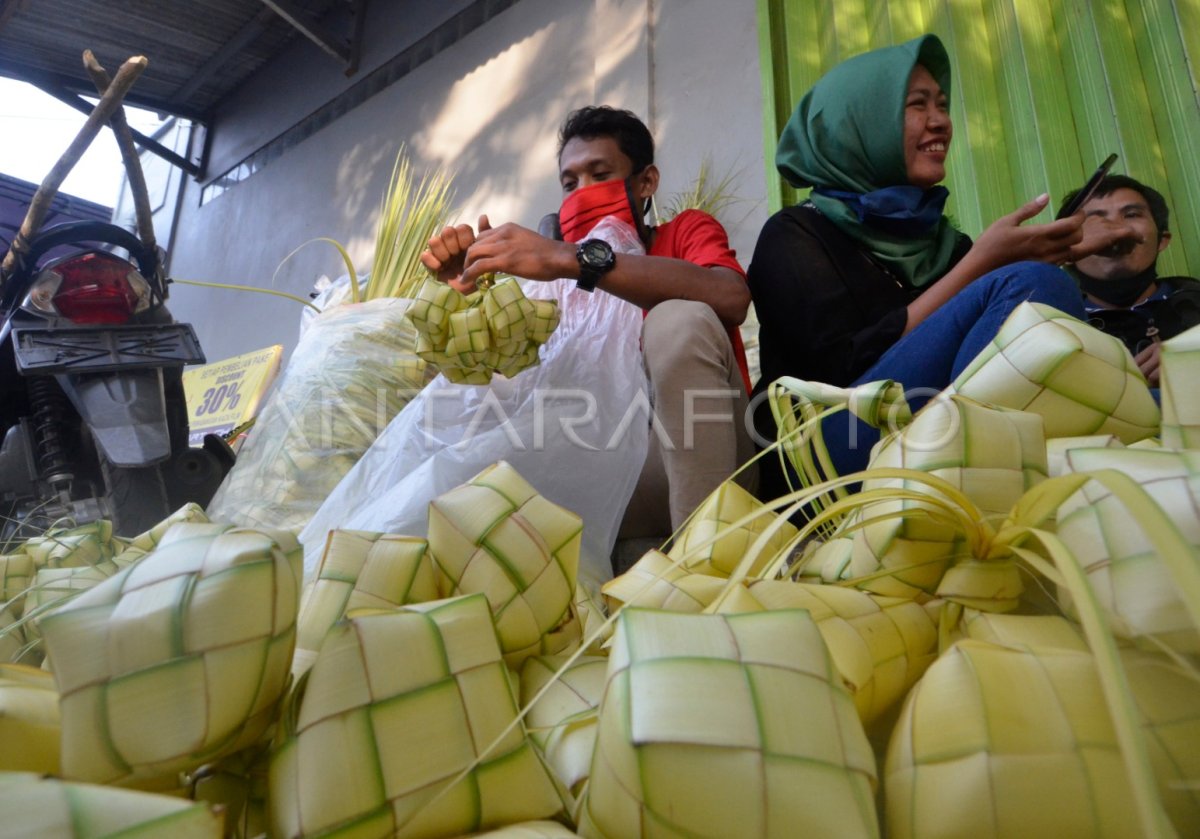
<point x="591" y="271"/>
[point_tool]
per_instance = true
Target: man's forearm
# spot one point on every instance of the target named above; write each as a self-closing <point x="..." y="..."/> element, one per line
<point x="647" y="281"/>
<point x="644" y="281"/>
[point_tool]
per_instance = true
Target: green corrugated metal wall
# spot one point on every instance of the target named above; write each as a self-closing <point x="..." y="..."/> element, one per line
<point x="1043" y="90"/>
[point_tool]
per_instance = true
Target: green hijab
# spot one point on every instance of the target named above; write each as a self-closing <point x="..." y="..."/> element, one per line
<point x="847" y="134"/>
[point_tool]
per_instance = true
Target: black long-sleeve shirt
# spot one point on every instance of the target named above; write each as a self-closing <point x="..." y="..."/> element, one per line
<point x="827" y="310"/>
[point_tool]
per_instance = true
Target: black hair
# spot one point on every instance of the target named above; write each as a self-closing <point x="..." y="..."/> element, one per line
<point x="632" y="136"/>
<point x="1154" y="199"/>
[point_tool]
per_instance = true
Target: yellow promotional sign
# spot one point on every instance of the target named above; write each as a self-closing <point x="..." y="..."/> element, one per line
<point x="225" y="394"/>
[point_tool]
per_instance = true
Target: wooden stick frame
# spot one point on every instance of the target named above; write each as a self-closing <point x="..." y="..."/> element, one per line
<point x="129" y="153"/>
<point x="40" y="204"/>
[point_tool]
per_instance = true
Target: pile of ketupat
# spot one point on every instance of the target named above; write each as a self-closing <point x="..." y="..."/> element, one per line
<point x="975" y="643"/>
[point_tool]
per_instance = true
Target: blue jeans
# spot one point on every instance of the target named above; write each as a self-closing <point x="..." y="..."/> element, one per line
<point x="928" y="359"/>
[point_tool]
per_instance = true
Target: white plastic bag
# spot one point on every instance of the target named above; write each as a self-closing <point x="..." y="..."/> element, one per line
<point x="576" y="427"/>
<point x="328" y="293"/>
<point x="351" y="373"/>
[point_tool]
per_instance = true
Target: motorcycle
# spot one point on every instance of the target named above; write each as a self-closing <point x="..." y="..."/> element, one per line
<point x="94" y="418"/>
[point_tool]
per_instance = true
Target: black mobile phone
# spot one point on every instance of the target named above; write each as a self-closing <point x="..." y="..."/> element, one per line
<point x="1081" y="197"/>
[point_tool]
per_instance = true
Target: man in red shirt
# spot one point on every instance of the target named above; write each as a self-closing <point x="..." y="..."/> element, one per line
<point x="689" y="282"/>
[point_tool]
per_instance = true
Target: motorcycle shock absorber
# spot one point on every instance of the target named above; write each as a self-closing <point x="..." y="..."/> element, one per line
<point x="49" y="406"/>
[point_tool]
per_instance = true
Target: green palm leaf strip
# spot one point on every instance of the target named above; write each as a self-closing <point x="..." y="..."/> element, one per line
<point x="411" y="213"/>
<point x="800" y="407"/>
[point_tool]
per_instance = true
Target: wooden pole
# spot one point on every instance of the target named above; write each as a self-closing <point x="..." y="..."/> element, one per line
<point x="129" y="154"/>
<point x="100" y="116"/>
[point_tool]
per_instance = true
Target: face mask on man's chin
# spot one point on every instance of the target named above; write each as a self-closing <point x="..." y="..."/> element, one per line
<point x="1122" y="292"/>
<point x="584" y="207"/>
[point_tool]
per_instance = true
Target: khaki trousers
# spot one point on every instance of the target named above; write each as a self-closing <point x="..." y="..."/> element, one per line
<point x="699" y="435"/>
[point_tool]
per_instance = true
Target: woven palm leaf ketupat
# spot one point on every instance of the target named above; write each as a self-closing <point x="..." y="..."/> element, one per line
<point x="404" y="726"/>
<point x="1003" y="742"/>
<point x="497" y="536"/>
<point x="65" y="561"/>
<point x="430" y="316"/>
<point x="879" y="645"/>
<point x="562" y="721"/>
<point x="799" y="407"/>
<point x="29" y="721"/>
<point x="530" y="830"/>
<point x="1078" y="379"/>
<point x="361" y="570"/>
<point x="237" y="786"/>
<point x="33" y="806"/>
<point x="144" y="543"/>
<point x="703" y="551"/>
<point x="991" y="455"/>
<point x="1180" y="370"/>
<point x="1168" y="700"/>
<point x="1057" y="448"/>
<point x="16" y="574"/>
<point x="53" y="587"/>
<point x="91" y="544"/>
<point x="48" y="570"/>
<point x="1131" y="583"/>
<point x="470" y="337"/>
<point x="12" y="637"/>
<point x="995" y="584"/>
<point x="177" y="660"/>
<point x="656" y="581"/>
<point x="749" y="700"/>
<point x="1023" y="632"/>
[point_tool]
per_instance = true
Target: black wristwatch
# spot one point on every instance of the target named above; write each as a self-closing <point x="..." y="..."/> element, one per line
<point x="596" y="258"/>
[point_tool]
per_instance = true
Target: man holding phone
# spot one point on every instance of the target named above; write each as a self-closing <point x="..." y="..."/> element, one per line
<point x="1123" y="294"/>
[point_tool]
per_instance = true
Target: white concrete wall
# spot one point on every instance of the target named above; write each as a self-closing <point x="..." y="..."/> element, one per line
<point x="488" y="109"/>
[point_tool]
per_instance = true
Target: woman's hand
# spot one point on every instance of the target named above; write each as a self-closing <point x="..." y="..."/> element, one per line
<point x="1008" y="240"/>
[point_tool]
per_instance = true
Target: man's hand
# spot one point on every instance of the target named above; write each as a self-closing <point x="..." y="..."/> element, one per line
<point x="1106" y="237"/>
<point x="643" y="280"/>
<point x="1148" y="360"/>
<point x="519" y="251"/>
<point x="447" y="253"/>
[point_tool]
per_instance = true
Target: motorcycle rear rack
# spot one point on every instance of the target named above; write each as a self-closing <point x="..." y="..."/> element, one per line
<point x="43" y="351"/>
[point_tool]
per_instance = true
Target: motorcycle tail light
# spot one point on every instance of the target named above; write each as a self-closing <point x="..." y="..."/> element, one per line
<point x="94" y="287"/>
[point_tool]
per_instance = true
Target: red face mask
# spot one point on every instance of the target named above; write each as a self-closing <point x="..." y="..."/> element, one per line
<point x="585" y="206"/>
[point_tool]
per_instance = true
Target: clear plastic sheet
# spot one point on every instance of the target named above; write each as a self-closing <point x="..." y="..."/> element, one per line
<point x="352" y="372"/>
<point x="576" y="427"/>
<point x="326" y="294"/>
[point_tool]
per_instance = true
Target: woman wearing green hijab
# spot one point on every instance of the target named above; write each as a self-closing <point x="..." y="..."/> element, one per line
<point x="868" y="279"/>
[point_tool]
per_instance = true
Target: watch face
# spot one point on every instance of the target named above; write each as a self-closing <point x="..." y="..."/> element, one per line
<point x="596" y="253"/>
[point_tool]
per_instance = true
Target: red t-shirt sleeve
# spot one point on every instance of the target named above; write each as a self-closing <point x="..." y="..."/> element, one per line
<point x="699" y="238"/>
